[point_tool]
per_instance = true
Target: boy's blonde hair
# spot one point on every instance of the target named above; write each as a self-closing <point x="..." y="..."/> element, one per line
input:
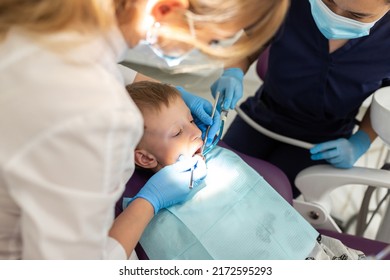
<point x="148" y="95"/>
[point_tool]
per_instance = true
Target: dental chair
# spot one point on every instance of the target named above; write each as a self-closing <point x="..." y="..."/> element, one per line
<point x="277" y="179"/>
<point x="317" y="182"/>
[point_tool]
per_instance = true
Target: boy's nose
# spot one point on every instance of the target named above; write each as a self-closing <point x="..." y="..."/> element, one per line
<point x="196" y="133"/>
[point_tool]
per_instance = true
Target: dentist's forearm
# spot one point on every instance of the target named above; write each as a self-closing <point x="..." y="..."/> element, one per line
<point x="130" y="224"/>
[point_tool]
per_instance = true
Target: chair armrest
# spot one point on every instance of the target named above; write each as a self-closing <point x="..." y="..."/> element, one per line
<point x="316" y="182"/>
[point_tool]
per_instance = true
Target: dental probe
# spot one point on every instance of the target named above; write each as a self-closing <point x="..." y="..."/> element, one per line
<point x="212" y="116"/>
<point x="204" y="143"/>
<point x="192" y="178"/>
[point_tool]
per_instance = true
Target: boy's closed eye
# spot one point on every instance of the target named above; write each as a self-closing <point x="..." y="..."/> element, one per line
<point x="180" y="130"/>
<point x="178" y="133"/>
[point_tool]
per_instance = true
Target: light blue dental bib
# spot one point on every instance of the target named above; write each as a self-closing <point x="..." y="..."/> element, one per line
<point x="236" y="214"/>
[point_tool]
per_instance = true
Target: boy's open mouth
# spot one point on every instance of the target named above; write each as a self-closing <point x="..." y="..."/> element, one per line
<point x="198" y="151"/>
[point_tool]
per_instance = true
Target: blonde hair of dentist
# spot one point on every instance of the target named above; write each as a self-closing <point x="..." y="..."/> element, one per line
<point x="208" y="20"/>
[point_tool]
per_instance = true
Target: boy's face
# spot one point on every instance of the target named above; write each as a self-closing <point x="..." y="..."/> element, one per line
<point x="169" y="133"/>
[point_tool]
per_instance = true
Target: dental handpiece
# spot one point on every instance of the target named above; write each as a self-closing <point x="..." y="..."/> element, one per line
<point x="205" y="139"/>
<point x="192" y="178"/>
<point x="212" y="116"/>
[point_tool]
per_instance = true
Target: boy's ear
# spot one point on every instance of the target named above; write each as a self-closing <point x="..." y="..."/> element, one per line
<point x="145" y="159"/>
<point x="164" y="7"/>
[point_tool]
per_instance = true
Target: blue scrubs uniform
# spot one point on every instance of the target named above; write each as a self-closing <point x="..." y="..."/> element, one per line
<point x="309" y="93"/>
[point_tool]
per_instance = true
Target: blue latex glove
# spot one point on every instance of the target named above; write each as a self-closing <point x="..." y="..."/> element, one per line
<point x="230" y="86"/>
<point x="201" y="110"/>
<point x="342" y="153"/>
<point x="170" y="185"/>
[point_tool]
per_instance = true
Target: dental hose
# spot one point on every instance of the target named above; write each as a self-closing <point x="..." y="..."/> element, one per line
<point x="271" y="134"/>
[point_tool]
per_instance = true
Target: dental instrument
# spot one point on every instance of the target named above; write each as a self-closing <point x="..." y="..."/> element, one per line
<point x="212" y="116"/>
<point x="192" y="178"/>
<point x="207" y="133"/>
<point x="224" y="114"/>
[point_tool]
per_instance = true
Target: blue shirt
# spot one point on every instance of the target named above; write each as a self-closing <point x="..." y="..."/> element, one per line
<point x="311" y="94"/>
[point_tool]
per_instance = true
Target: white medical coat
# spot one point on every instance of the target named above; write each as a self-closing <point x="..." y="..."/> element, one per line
<point x="68" y="130"/>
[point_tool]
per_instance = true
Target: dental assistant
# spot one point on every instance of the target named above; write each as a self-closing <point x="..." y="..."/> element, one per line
<point x="69" y="129"/>
<point x="326" y="59"/>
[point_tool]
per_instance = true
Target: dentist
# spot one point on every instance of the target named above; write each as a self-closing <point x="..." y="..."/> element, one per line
<point x="326" y="59"/>
<point x="69" y="129"/>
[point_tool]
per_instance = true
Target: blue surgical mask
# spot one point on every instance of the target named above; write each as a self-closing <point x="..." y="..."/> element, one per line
<point x="334" y="26"/>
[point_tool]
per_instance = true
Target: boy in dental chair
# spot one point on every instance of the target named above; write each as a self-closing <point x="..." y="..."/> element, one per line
<point x="233" y="213"/>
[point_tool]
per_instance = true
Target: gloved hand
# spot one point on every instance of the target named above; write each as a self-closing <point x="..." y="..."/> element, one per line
<point x="342" y="153"/>
<point x="230" y="86"/>
<point x="171" y="184"/>
<point x="201" y="110"/>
